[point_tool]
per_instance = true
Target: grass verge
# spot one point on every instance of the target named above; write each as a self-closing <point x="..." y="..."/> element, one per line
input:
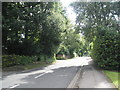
<point x="26" y="67"/>
<point x="114" y="77"/>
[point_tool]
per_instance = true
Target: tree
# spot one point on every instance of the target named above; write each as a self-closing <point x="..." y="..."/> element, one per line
<point x="32" y="28"/>
<point x="99" y="23"/>
<point x="72" y="42"/>
<point x="92" y="15"/>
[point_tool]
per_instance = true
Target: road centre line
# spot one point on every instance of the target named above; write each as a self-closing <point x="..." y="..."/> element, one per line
<point x="15" y="86"/>
<point x="40" y="75"/>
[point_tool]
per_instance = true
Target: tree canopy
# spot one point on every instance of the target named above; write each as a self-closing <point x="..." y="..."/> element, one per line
<point x="99" y="23"/>
<point x="32" y="28"/>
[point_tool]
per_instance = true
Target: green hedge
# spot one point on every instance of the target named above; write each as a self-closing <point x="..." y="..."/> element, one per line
<point x="45" y="58"/>
<point x="60" y="58"/>
<point x="11" y="60"/>
<point x="106" y="51"/>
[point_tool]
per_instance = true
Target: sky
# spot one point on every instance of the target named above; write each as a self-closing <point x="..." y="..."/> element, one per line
<point x="70" y="12"/>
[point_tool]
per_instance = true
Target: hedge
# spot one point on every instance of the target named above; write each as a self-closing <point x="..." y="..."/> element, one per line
<point x="60" y="58"/>
<point x="106" y="51"/>
<point x="11" y="60"/>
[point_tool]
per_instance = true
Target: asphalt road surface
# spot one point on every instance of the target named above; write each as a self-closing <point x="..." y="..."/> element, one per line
<point x="58" y="75"/>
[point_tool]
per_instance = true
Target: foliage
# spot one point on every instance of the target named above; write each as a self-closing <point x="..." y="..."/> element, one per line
<point x="92" y="16"/>
<point x="60" y="58"/>
<point x="63" y="50"/>
<point x="106" y="51"/>
<point x="99" y="23"/>
<point x="72" y="42"/>
<point x="45" y="58"/>
<point x="32" y="28"/>
<point x="11" y="60"/>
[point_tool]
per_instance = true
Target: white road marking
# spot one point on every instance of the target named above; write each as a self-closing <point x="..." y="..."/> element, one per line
<point x="50" y="71"/>
<point x="15" y="86"/>
<point x="40" y="75"/>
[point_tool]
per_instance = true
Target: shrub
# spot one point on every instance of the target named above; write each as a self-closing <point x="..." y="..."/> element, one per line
<point x="60" y="58"/>
<point x="45" y="58"/>
<point x="50" y="59"/>
<point x="11" y="60"/>
<point x="106" y="51"/>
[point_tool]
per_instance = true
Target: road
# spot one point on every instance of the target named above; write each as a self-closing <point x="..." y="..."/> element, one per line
<point x="57" y="75"/>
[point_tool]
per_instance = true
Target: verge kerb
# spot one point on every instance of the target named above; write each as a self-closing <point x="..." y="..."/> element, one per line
<point x="75" y="81"/>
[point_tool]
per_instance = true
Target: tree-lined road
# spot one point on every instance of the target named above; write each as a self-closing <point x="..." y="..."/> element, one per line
<point x="58" y="75"/>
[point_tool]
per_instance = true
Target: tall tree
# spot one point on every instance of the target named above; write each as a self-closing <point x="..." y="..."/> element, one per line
<point x="99" y="23"/>
<point x="92" y="16"/>
<point x="31" y="28"/>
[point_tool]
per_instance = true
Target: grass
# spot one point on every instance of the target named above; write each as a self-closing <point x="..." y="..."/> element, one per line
<point x="114" y="77"/>
<point x="26" y="67"/>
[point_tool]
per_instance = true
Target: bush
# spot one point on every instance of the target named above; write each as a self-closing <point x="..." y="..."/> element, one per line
<point x="106" y="51"/>
<point x="50" y="59"/>
<point x="11" y="60"/>
<point x="45" y="58"/>
<point x="60" y="58"/>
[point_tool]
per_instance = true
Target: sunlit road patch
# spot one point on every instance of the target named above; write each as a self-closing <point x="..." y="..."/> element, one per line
<point x="57" y="75"/>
